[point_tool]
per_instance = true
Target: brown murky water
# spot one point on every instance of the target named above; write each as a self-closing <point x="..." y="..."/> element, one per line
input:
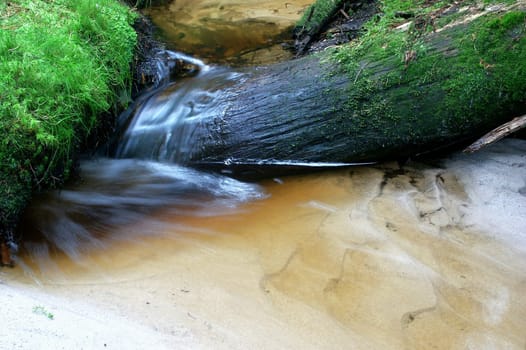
<point x="424" y="257"/>
<point x="233" y="32"/>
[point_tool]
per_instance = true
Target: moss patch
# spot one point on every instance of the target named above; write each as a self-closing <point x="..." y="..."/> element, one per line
<point x="62" y="63"/>
<point x="425" y="85"/>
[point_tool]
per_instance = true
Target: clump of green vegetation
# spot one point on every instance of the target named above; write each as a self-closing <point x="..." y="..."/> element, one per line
<point x="40" y="310"/>
<point x="62" y="63"/>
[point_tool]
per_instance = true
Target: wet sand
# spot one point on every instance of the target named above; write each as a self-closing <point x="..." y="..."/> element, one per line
<point x="427" y="257"/>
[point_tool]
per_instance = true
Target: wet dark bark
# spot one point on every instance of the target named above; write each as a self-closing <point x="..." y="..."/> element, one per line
<point x="296" y="113"/>
<point x="281" y="112"/>
<point x="145" y="3"/>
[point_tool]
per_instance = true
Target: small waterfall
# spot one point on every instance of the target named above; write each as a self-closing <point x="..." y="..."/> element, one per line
<point x="161" y="125"/>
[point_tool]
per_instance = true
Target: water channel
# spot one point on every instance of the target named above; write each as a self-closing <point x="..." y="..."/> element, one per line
<point x="428" y="256"/>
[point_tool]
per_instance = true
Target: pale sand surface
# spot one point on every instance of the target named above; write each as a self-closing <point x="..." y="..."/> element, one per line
<point x="74" y="324"/>
<point x="433" y="257"/>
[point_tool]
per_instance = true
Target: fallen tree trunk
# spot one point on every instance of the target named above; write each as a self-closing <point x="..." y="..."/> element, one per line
<point x="395" y="96"/>
<point x="448" y="88"/>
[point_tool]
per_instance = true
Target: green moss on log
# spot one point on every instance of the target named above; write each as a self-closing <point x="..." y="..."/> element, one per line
<point x="62" y="63"/>
<point x="413" y="87"/>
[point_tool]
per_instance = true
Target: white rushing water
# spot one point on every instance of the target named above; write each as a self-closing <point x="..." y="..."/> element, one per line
<point x="162" y="125"/>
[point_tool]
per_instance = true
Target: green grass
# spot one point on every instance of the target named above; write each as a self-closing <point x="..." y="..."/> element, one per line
<point x="40" y="310"/>
<point x="379" y="38"/>
<point x="62" y="63"/>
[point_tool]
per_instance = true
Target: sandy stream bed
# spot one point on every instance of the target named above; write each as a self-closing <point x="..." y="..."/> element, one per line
<point x="433" y="257"/>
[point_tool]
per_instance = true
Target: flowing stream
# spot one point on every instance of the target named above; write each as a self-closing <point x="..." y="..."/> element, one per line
<point x="373" y="257"/>
<point x="163" y="124"/>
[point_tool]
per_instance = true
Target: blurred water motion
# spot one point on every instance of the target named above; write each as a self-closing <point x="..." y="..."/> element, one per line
<point x="119" y="192"/>
<point x="164" y="125"/>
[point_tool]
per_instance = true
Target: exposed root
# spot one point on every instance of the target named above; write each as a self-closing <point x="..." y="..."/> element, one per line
<point x="5" y="255"/>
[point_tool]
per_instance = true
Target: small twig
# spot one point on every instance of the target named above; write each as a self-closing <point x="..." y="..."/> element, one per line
<point x="498" y="133"/>
<point x="310" y="13"/>
<point x="345" y="14"/>
<point x="362" y="67"/>
<point x="40" y="310"/>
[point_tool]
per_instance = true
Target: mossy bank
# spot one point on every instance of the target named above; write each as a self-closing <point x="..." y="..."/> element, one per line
<point x="62" y="64"/>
